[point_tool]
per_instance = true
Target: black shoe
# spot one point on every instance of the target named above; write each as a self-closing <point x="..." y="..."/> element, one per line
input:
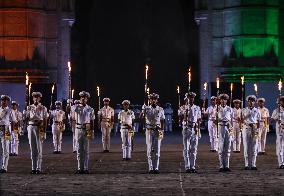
<point x="79" y="172"/>
<point x="33" y="172"/>
<point x="38" y="172"/>
<point x="11" y="154"/>
<point x="3" y="171"/>
<point x="226" y="169"/>
<point x="188" y="171"/>
<point x="221" y="170"/>
<point x="238" y="151"/>
<point x="156" y="171"/>
<point x="15" y="155"/>
<point x="235" y="151"/>
<point x="253" y="168"/>
<point x="105" y="151"/>
<point x="86" y="171"/>
<point x="193" y="171"/>
<point x="246" y="168"/>
<point x="151" y="172"/>
<point x="281" y="167"/>
<point x="58" y="152"/>
<point x="124" y="159"/>
<point x="74" y="151"/>
<point x="54" y="152"/>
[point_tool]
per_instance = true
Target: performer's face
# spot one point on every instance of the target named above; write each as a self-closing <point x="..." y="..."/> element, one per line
<point x="106" y="103"/>
<point x="191" y="100"/>
<point x="36" y="99"/>
<point x="58" y="106"/>
<point x="83" y="100"/>
<point x="153" y="101"/>
<point x="250" y="103"/>
<point x="213" y="101"/>
<point x="237" y="105"/>
<point x="282" y="103"/>
<point x="223" y="102"/>
<point x="4" y="103"/>
<point x="14" y="106"/>
<point x="125" y="106"/>
<point x="260" y="104"/>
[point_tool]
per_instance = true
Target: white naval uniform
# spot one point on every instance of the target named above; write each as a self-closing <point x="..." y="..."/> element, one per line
<point x="126" y="119"/>
<point x="73" y="126"/>
<point x="18" y="116"/>
<point x="279" y="133"/>
<point x="212" y="128"/>
<point x="237" y="134"/>
<point x="84" y="115"/>
<point x="57" y="117"/>
<point x="225" y="139"/>
<point x="5" y="118"/>
<point x="250" y="117"/>
<point x="106" y="113"/>
<point x="153" y="118"/>
<point x="34" y="114"/>
<point x="263" y="129"/>
<point x="191" y="115"/>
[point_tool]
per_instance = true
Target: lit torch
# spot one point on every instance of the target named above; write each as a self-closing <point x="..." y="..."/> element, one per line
<point x="146" y="83"/>
<point x="27" y="89"/>
<point x="280" y="87"/>
<point x="69" y="71"/>
<point x="255" y="89"/>
<point x="204" y="95"/>
<point x="217" y="117"/>
<point x="30" y="88"/>
<point x="243" y="89"/>
<point x="280" y="93"/>
<point x="51" y="98"/>
<point x="72" y="94"/>
<point x="189" y="78"/>
<point x="231" y="89"/>
<point x="99" y="98"/>
<point x="178" y="92"/>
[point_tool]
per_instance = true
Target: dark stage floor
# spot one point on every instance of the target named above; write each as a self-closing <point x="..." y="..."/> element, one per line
<point x="110" y="176"/>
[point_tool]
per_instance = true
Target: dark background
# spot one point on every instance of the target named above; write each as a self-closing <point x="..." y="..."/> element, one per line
<point x="112" y="41"/>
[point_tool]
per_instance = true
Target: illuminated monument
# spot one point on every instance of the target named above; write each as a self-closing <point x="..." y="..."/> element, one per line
<point x="242" y="37"/>
<point x="35" y="38"/>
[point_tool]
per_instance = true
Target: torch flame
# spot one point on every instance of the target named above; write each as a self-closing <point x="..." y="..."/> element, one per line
<point x="243" y="80"/>
<point x="52" y="89"/>
<point x="30" y="87"/>
<point x="27" y="79"/>
<point x="280" y="85"/>
<point x="98" y="90"/>
<point x="205" y="86"/>
<point x="255" y="87"/>
<point x="69" y="66"/>
<point x="147" y="68"/>
<point x="72" y="93"/>
<point x="148" y="91"/>
<point x="232" y="86"/>
<point x="189" y="74"/>
<point x="218" y="82"/>
<point x="178" y="89"/>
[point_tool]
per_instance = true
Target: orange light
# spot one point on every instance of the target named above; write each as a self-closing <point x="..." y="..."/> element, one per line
<point x="280" y="85"/>
<point x="98" y="91"/>
<point x="243" y="80"/>
<point x="218" y="82"/>
<point x="189" y="74"/>
<point x="231" y="87"/>
<point x="178" y="90"/>
<point x="52" y="89"/>
<point x="69" y="66"/>
<point x="27" y="79"/>
<point x="72" y="93"/>
<point x="147" y="68"/>
<point x="205" y="85"/>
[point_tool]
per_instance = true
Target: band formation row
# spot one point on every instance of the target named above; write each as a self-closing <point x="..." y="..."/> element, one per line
<point x="226" y="126"/>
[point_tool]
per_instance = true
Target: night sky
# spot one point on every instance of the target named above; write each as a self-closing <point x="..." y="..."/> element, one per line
<point x="112" y="41"/>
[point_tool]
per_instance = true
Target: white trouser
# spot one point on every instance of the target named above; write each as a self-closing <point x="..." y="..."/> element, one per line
<point x="250" y="140"/>
<point x="14" y="143"/>
<point x="57" y="137"/>
<point x="224" y="146"/>
<point x="126" y="143"/>
<point x="82" y="149"/>
<point x="73" y="127"/>
<point x="106" y="130"/>
<point x="5" y="153"/>
<point x="237" y="136"/>
<point x="190" y="144"/>
<point x="35" y="146"/>
<point x="212" y="130"/>
<point x="153" y="148"/>
<point x="280" y="145"/>
<point x="262" y="137"/>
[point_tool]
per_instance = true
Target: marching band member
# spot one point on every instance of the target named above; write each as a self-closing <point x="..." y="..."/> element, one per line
<point x="264" y="125"/>
<point x="18" y="116"/>
<point x="126" y="118"/>
<point x="237" y="129"/>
